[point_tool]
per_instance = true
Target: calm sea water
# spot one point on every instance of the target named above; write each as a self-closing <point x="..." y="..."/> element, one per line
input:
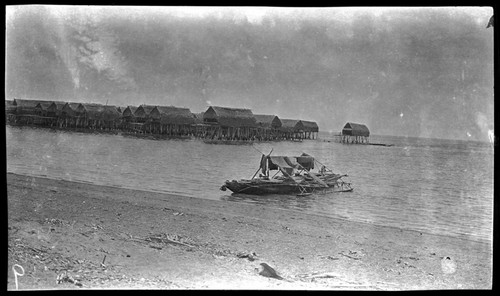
<point x="430" y="185"/>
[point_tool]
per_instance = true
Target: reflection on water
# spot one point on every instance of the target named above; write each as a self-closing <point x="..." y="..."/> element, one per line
<point x="437" y="186"/>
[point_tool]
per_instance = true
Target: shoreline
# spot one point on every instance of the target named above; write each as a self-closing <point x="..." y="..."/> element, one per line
<point x="81" y="222"/>
<point x="176" y="195"/>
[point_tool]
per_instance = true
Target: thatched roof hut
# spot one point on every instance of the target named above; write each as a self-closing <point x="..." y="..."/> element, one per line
<point x="55" y="108"/>
<point x="267" y="121"/>
<point x="42" y="107"/>
<point x="198" y="117"/>
<point x="229" y="117"/>
<point x="30" y="107"/>
<point x="291" y="125"/>
<point x="174" y="115"/>
<point x="143" y="111"/>
<point x="76" y="107"/>
<point x="129" y="111"/>
<point x="91" y="111"/>
<point x="10" y="108"/>
<point x="101" y="112"/>
<point x="355" y="129"/>
<point x="154" y="114"/>
<point x="79" y="108"/>
<point x="110" y="113"/>
<point x="310" y="126"/>
<point x="69" y="109"/>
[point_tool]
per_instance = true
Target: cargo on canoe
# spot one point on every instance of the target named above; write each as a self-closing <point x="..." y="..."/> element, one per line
<point x="292" y="175"/>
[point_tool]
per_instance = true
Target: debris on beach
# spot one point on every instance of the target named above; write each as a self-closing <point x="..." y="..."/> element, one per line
<point x="165" y="238"/>
<point x="286" y="228"/>
<point x="314" y="276"/>
<point x="219" y="253"/>
<point x="68" y="269"/>
<point x="318" y="275"/>
<point x="56" y="222"/>
<point x="268" y="271"/>
<point x="95" y="226"/>
<point x="102" y="263"/>
<point x="404" y="263"/>
<point x="353" y="255"/>
<point x="250" y="255"/>
<point x="328" y="257"/>
<point x="65" y="277"/>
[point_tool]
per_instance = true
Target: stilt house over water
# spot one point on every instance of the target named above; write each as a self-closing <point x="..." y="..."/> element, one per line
<point x="199" y="128"/>
<point x="31" y="111"/>
<point x="355" y="133"/>
<point x="291" y="129"/>
<point x="230" y="123"/>
<point x="128" y="119"/>
<point x="142" y="112"/>
<point x="128" y="113"/>
<point x="28" y="107"/>
<point x="268" y="126"/>
<point x="142" y="118"/>
<point x="173" y="121"/>
<point x="67" y="116"/>
<point x="55" y="109"/>
<point x="97" y="116"/>
<point x="10" y="111"/>
<point x="310" y="128"/>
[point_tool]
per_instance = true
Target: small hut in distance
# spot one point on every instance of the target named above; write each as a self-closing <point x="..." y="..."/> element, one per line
<point x="355" y="133"/>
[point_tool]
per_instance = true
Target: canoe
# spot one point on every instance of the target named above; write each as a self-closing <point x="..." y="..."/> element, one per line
<point x="294" y="176"/>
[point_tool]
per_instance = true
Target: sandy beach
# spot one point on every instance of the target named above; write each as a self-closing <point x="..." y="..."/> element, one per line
<point x="69" y="235"/>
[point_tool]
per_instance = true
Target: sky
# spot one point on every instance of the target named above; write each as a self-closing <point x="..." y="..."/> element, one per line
<point x="418" y="72"/>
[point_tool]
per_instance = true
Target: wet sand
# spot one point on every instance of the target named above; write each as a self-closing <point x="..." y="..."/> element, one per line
<point x="96" y="237"/>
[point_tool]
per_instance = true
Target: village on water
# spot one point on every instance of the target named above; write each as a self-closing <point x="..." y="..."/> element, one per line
<point x="215" y="125"/>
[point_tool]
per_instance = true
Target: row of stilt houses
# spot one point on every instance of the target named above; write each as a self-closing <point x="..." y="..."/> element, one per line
<point x="216" y="123"/>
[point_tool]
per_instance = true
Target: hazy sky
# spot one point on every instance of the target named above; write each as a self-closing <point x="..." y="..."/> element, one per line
<point x="425" y="72"/>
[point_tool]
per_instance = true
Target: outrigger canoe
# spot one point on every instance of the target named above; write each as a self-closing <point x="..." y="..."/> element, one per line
<point x="294" y="175"/>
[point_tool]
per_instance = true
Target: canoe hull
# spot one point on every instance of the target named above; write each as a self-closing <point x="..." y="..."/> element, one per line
<point x="255" y="188"/>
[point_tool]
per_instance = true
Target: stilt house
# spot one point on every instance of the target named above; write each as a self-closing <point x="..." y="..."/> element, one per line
<point x="267" y="126"/>
<point x="355" y="133"/>
<point x="310" y="128"/>
<point x="230" y="123"/>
